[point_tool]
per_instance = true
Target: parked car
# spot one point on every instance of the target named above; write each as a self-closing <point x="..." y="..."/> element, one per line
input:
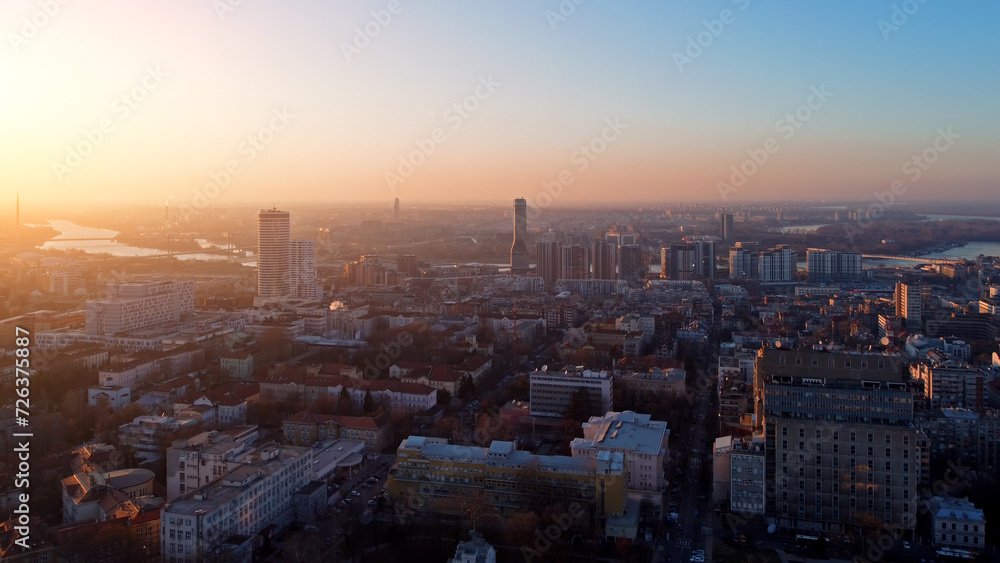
<point x="310" y="528"/>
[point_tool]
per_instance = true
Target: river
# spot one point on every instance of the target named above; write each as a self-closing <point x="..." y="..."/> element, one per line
<point x="70" y="230"/>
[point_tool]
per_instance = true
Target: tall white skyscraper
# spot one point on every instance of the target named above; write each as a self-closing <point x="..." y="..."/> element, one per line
<point x="273" y="279"/>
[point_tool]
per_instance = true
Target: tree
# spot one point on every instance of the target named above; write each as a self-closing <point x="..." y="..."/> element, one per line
<point x="467" y="388"/>
<point x="578" y="409"/>
<point x="369" y="405"/>
<point x="443" y="396"/>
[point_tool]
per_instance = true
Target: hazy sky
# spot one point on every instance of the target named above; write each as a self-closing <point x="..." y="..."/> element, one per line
<point x="336" y="100"/>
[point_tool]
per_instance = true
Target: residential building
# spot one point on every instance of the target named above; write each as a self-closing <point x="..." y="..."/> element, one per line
<point x="825" y="266"/>
<point x="778" y="264"/>
<point x="957" y="523"/>
<point x="306" y="428"/>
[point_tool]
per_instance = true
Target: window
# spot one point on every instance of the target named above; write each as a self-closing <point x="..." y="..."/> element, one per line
<point x="784" y="431"/>
<point x="802" y="432"/>
<point x="836" y="448"/>
<point x="888" y="452"/>
<point x="854" y="436"/>
<point x="871" y="437"/>
<point x="888" y="440"/>
<point x="819" y="434"/>
<point x="836" y="435"/>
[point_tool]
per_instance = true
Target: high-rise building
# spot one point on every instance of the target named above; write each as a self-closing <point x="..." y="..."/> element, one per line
<point x="630" y="267"/>
<point x="273" y="229"/>
<point x="726" y="230"/>
<point x="832" y="266"/>
<point x="778" y="264"/>
<point x="395" y="209"/>
<point x="548" y="260"/>
<point x="909" y="299"/>
<point x="605" y="258"/>
<point x="679" y="261"/>
<point x="692" y="259"/>
<point x="744" y="261"/>
<point x="519" y="249"/>
<point x="302" y="270"/>
<point x="841" y="448"/>
<point x="575" y="263"/>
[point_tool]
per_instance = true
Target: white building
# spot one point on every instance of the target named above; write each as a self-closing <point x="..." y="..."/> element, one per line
<point x="273" y="280"/>
<point x="302" y="270"/>
<point x="778" y="264"/>
<point x="643" y="441"/>
<point x="108" y="395"/>
<point x="133" y="305"/>
<point x="551" y="391"/>
<point x="204" y="458"/>
<point x="235" y="509"/>
<point x="957" y="523"/>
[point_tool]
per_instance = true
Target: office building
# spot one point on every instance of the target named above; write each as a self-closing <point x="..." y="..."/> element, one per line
<point x="135" y="305"/>
<point x="226" y="519"/>
<point x="824" y="266"/>
<point x="552" y="391"/>
<point x="744" y="261"/>
<point x="519" y="248"/>
<point x="840" y="444"/>
<point x="778" y="264"/>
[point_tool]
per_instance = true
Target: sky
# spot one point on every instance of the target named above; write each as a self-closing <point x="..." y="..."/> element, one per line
<point x="565" y="102"/>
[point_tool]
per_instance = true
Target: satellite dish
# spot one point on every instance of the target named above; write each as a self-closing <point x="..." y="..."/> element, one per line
<point x="777" y="344"/>
<point x="545" y="368"/>
<point x="884" y="341"/>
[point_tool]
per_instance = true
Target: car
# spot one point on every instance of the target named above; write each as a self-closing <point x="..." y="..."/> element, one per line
<point x="906" y="545"/>
<point x="310" y="528"/>
<point x="348" y="500"/>
<point x="367" y="485"/>
<point x="339" y="531"/>
<point x="355" y="493"/>
<point x="371" y="502"/>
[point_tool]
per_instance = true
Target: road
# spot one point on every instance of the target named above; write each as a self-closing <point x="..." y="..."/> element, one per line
<point x="692" y="513"/>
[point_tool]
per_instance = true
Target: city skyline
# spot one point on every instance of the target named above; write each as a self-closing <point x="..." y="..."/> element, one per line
<point x="671" y="100"/>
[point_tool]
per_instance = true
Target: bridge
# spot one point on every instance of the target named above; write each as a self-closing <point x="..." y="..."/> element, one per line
<point x="913" y="259"/>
